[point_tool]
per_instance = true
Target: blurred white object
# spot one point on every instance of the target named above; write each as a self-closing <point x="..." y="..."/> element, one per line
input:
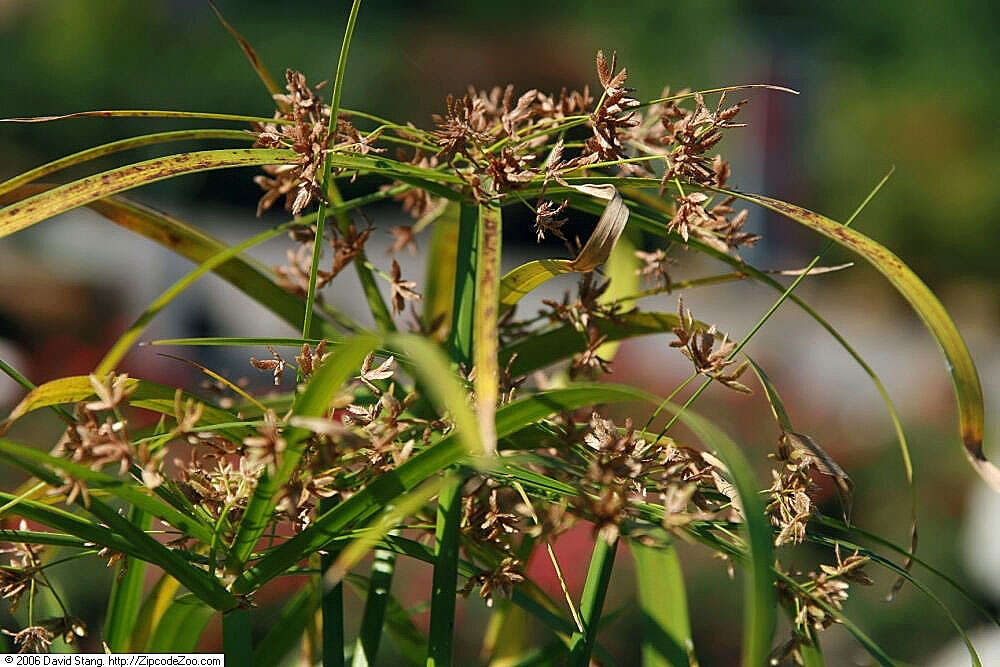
<point x="981" y="555"/>
<point x="986" y="641"/>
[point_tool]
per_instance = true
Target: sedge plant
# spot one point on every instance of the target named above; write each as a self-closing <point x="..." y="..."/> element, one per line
<point x="456" y="431"/>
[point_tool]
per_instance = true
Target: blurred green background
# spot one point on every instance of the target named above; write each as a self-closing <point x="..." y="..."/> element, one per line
<point x="883" y="83"/>
<point x="913" y="85"/>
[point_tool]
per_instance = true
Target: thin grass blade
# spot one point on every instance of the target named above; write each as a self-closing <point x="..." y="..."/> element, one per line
<point x="251" y="54"/>
<point x="144" y="394"/>
<point x="439" y="285"/>
<point x="118" y="146"/>
<point x="131" y="493"/>
<point x="444" y="583"/>
<point x="760" y="603"/>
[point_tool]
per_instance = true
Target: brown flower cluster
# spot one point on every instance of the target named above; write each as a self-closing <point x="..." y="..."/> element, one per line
<point x="719" y="227"/>
<point x="583" y="313"/>
<point x="622" y="467"/>
<point x="25" y="575"/>
<point x="710" y="354"/>
<point x="827" y="589"/>
<point x="303" y="126"/>
<point x="614" y="114"/>
<point x="98" y="437"/>
<point x="654" y="267"/>
<point x="485" y="521"/>
<point x="497" y="582"/>
<point x="791" y="506"/>
<point x="21" y="573"/>
<point x="346" y="244"/>
<point x="687" y="135"/>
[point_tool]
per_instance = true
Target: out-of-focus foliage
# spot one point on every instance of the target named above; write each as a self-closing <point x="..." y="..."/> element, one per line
<point x="885" y="83"/>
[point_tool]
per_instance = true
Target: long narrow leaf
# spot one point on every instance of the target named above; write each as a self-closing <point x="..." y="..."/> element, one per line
<point x="153" y="608"/>
<point x="248" y="50"/>
<point x="563" y="342"/>
<point x="647" y="219"/>
<point x="611" y="224"/>
<point x="410" y="642"/>
<point x="759" y="615"/>
<point x="237" y="637"/>
<point x="126" y="594"/>
<point x="181" y="627"/>
<point x="377" y="603"/>
<point x="146" y="113"/>
<point x="145" y="394"/>
<point x="965" y="378"/>
<point x="243" y="273"/>
<point x="439" y="285"/>
<point x="857" y="533"/>
<point x="464" y="295"/>
<point x="136" y="541"/>
<point x="622" y="270"/>
<point x="666" y="627"/>
<point x="905" y="574"/>
<point x="392" y="517"/>
<point x="70" y="524"/>
<point x="58" y="200"/>
<point x="867" y="642"/>
<point x="446" y="540"/>
<point x="287" y="629"/>
<point x="125" y="342"/>
<point x="117" y="147"/>
<point x="376" y="303"/>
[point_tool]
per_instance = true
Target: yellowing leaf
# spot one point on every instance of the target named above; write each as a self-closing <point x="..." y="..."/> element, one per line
<point x="34" y="209"/>
<point x="595" y="252"/>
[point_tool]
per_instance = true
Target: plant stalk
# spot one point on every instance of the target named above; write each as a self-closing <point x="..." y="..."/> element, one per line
<point x="602" y="562"/>
<point x="442" y="626"/>
<point x="338" y="84"/>
<point x="237" y="639"/>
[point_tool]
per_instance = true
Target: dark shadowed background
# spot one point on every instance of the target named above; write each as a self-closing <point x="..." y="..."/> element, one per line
<point x="913" y="85"/>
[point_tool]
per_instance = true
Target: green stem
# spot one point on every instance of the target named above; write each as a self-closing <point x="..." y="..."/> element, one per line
<point x="442" y="625"/>
<point x="126" y="593"/>
<point x="602" y="562"/>
<point x="373" y="617"/>
<point x="237" y="639"/>
<point x="460" y="340"/>
<point x="338" y="84"/>
<point x="669" y="398"/>
<point x="332" y="608"/>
